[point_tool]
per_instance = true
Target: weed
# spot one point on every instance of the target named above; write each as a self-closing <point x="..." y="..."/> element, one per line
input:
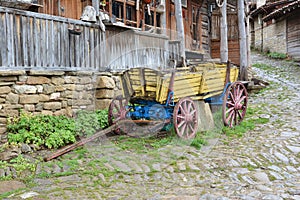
<point x="276" y="55"/>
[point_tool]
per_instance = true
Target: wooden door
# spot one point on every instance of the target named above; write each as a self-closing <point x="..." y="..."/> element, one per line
<point x="293" y="36"/>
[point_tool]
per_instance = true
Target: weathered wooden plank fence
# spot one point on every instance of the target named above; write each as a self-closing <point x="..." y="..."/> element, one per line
<point x="31" y="40"/>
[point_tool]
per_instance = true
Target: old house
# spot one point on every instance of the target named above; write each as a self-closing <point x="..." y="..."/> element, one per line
<point x="54" y="63"/>
<point x="276" y="27"/>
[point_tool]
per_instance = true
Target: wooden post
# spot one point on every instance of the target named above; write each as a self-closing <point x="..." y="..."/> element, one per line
<point x="243" y="41"/>
<point x="124" y="12"/>
<point x="110" y="8"/>
<point x="223" y="35"/>
<point x="95" y="4"/>
<point x="163" y="18"/>
<point x="180" y="29"/>
<point x="138" y="13"/>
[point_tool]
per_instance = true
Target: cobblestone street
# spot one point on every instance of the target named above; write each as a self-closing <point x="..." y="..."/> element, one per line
<point x="262" y="164"/>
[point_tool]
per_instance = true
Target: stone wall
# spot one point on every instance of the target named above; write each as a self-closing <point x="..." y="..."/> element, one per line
<point x="273" y="37"/>
<point x="54" y="93"/>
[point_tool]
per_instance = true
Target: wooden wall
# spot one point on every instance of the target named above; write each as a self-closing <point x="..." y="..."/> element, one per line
<point x="233" y="37"/>
<point x="38" y="41"/>
<point x="293" y="36"/>
<point x="64" y="8"/>
<point x="202" y="45"/>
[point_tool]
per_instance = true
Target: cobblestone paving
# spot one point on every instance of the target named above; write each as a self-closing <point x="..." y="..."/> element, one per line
<point x="263" y="164"/>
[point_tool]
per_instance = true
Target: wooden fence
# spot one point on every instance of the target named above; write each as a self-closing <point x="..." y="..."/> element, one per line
<point x="38" y="41"/>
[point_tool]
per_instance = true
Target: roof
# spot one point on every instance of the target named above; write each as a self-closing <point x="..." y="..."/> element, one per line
<point x="269" y="7"/>
<point x="282" y="11"/>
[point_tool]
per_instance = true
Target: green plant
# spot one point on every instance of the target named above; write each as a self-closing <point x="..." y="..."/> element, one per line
<point x="88" y="122"/>
<point x="277" y="55"/>
<point x="50" y="131"/>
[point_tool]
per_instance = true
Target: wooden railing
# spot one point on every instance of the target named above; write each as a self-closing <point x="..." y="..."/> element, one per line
<point x="38" y="41"/>
<point x="174" y="50"/>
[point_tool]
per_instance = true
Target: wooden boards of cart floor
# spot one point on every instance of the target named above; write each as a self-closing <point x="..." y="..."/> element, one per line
<point x="198" y="82"/>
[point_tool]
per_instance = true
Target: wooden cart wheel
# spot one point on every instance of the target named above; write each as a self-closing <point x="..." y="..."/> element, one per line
<point x="185" y="118"/>
<point x="117" y="111"/>
<point x="234" y="104"/>
<point x="220" y="3"/>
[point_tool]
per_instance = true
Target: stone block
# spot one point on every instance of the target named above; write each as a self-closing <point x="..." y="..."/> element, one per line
<point x="67" y="94"/>
<point x="55" y="95"/>
<point x="52" y="106"/>
<point x="37" y="80"/>
<point x="205" y="117"/>
<point x="2" y="130"/>
<point x="69" y="86"/>
<point x="22" y="78"/>
<point x="79" y="102"/>
<point x="71" y="79"/>
<point x="79" y="87"/>
<point x="12" y="98"/>
<point x="6" y="83"/>
<point x="29" y="107"/>
<point x="48" y="89"/>
<point x="60" y="112"/>
<point x="39" y="88"/>
<point x="104" y="94"/>
<point x="12" y="73"/>
<point x="3" y="120"/>
<point x="29" y="99"/>
<point x="44" y="97"/>
<point x="46" y="112"/>
<point x="5" y="90"/>
<point x="85" y="80"/>
<point x="46" y="73"/>
<point x="2" y="100"/>
<point x="105" y="82"/>
<point x="39" y="107"/>
<point x="58" y="80"/>
<point x="59" y="88"/>
<point x="8" y="78"/>
<point x="102" y="104"/>
<point x="25" y="89"/>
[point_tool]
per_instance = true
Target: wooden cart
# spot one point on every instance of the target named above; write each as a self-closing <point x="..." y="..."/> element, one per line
<point x="151" y="96"/>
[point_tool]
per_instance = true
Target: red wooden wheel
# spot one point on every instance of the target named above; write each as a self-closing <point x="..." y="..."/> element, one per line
<point x="234" y="104"/>
<point x="185" y="118"/>
<point x="117" y="111"/>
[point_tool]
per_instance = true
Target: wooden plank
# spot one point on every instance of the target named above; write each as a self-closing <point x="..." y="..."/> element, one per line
<point x="66" y="46"/>
<point x="36" y="46"/>
<point x="63" y="34"/>
<point x="77" y="51"/>
<point x="72" y="50"/>
<point x="43" y="42"/>
<point x="92" y="47"/>
<point x="52" y="44"/>
<point x="59" y="45"/>
<point x="3" y="40"/>
<point x="9" y="35"/>
<point x="16" y="38"/>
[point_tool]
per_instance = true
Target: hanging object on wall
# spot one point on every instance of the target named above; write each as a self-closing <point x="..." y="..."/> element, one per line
<point x="220" y="3"/>
<point x="161" y="7"/>
<point x="147" y="1"/>
<point x="89" y="14"/>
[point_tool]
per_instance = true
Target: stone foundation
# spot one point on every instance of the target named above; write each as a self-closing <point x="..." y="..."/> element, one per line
<point x="54" y="92"/>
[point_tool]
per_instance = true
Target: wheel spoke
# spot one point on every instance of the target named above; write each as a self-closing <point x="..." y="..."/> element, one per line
<point x="181" y="123"/>
<point x="229" y="110"/>
<point x="229" y="116"/>
<point x="242" y="99"/>
<point x="183" y="129"/>
<point x="193" y="112"/>
<point x="182" y="110"/>
<point x="232" y="96"/>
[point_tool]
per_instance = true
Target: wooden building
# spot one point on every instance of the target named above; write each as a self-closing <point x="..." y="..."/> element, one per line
<point x="276" y="27"/>
<point x="137" y="33"/>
